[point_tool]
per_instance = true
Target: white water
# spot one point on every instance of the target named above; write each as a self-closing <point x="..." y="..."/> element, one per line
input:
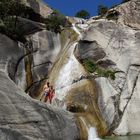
<point x="77" y="31"/>
<point x="92" y="134"/>
<point x="70" y="71"/>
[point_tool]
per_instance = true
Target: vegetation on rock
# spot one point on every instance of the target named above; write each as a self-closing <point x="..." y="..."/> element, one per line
<point x="91" y="67"/>
<point x="56" y="21"/>
<point x="7" y="27"/>
<point x="9" y="12"/>
<point x="112" y="15"/>
<point x="102" y="10"/>
<point x="83" y="14"/>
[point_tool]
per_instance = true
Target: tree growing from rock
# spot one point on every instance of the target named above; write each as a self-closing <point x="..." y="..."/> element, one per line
<point x="102" y="10"/>
<point x="82" y="14"/>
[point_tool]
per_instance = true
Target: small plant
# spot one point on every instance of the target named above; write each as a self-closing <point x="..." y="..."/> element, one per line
<point x="89" y="65"/>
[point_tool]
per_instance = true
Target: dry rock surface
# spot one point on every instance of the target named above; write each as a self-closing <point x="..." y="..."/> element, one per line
<point x="24" y="118"/>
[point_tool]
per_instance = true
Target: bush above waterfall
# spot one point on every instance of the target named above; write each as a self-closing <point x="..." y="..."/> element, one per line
<point x="83" y="14"/>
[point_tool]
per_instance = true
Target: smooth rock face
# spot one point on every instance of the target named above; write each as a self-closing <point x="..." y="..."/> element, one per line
<point x="129" y="13"/>
<point x="130" y="103"/>
<point x="93" y="50"/>
<point x="39" y="7"/>
<point x="24" y="118"/>
<point x="28" y="64"/>
<point x="120" y="44"/>
<point x="45" y="48"/>
<point x="11" y="52"/>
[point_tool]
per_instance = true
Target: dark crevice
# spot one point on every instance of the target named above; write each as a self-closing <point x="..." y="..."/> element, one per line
<point x="22" y="57"/>
<point x="18" y="123"/>
<point x="87" y="41"/>
<point x="118" y="113"/>
<point x="48" y="62"/>
<point x="135" y="83"/>
<point x="28" y="88"/>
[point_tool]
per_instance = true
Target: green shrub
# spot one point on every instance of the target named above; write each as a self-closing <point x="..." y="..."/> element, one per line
<point x="89" y="65"/>
<point x="56" y="21"/>
<point x="82" y="14"/>
<point x="92" y="67"/>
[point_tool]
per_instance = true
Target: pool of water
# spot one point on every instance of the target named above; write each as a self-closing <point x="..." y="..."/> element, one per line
<point x="135" y="137"/>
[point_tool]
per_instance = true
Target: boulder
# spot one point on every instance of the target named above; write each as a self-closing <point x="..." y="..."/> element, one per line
<point x="27" y="119"/>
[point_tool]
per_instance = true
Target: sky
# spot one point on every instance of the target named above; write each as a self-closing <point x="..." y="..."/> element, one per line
<point x="70" y="7"/>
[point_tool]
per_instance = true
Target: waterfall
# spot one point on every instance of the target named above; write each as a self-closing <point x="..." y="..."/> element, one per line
<point x="65" y="72"/>
<point x="69" y="72"/>
<point x="92" y="134"/>
<point x="77" y="31"/>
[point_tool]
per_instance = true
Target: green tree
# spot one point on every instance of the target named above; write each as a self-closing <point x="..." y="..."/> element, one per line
<point x="102" y="10"/>
<point x="82" y="14"/>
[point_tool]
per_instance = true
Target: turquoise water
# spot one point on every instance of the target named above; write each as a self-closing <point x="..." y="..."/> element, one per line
<point x="135" y="137"/>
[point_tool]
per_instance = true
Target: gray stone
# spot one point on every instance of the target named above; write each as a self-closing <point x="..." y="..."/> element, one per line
<point x="39" y="7"/>
<point x="27" y="119"/>
<point x="119" y="41"/>
<point x="10" y="54"/>
<point x="129" y="14"/>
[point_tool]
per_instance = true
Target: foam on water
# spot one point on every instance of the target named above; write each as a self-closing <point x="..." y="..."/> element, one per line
<point x="92" y="134"/>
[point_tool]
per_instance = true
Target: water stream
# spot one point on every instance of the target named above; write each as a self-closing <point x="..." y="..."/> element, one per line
<point x="69" y="72"/>
<point x="66" y="71"/>
<point x="92" y="134"/>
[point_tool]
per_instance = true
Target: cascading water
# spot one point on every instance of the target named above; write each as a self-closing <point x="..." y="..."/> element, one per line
<point x="71" y="69"/>
<point x="69" y="72"/>
<point x="64" y="73"/>
<point x="92" y="134"/>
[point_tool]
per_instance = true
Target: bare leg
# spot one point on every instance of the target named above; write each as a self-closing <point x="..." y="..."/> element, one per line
<point x="46" y="98"/>
<point x="41" y="97"/>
